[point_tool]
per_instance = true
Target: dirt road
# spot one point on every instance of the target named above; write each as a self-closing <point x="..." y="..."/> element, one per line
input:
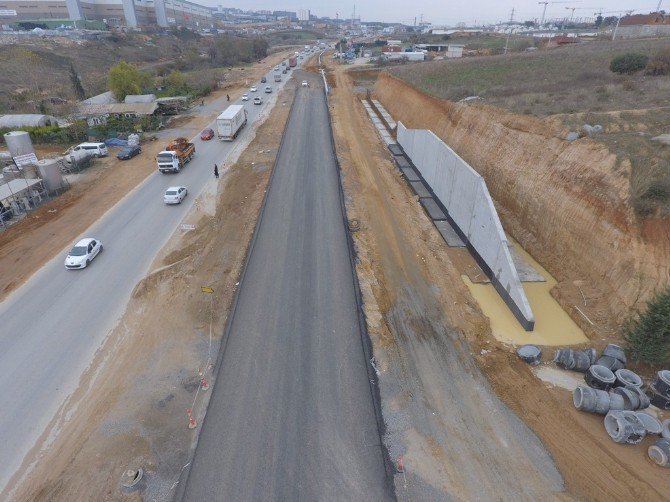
<point x="444" y="423"/>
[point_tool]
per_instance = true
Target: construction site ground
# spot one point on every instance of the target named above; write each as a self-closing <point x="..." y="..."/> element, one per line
<point x="130" y="408"/>
<point x="465" y="416"/>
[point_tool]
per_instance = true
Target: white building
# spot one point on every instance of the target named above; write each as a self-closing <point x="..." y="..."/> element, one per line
<point x="303" y="14"/>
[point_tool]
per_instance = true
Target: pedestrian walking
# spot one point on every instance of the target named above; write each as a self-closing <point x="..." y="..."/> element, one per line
<point x="216" y="171"/>
<point x="227" y="97"/>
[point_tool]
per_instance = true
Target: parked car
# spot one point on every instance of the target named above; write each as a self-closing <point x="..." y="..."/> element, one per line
<point x="276" y="68"/>
<point x="128" y="152"/>
<point x="245" y="97"/>
<point x="174" y="195"/>
<point x="263" y="80"/>
<point x="83" y="253"/>
<point x="97" y="149"/>
<point x="304" y="83"/>
<point x="258" y="100"/>
<point x="268" y="89"/>
<point x="253" y="88"/>
<point x="284" y="71"/>
<point x="207" y="134"/>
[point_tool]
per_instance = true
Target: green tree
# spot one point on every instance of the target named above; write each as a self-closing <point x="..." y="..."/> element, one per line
<point x="260" y="48"/>
<point x="176" y="82"/>
<point x="124" y="79"/>
<point x="647" y="335"/>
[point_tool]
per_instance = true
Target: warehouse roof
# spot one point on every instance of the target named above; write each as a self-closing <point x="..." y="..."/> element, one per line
<point x="136" y="108"/>
<point x="26" y="120"/>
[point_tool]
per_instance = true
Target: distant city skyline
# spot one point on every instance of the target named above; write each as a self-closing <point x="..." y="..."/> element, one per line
<point x="439" y="12"/>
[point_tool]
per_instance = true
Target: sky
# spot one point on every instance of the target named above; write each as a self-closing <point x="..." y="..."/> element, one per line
<point x="440" y="12"/>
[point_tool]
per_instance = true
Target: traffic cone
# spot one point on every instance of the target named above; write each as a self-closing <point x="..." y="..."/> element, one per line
<point x="192" y="424"/>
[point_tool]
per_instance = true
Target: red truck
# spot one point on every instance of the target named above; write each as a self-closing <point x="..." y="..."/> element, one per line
<point x="292" y="61"/>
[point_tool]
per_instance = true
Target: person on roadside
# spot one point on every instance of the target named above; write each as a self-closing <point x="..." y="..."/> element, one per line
<point x="216" y="171"/>
<point x="227" y="97"/>
<point x="202" y="103"/>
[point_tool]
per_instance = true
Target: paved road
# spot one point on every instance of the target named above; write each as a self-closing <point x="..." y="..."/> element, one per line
<point x="51" y="326"/>
<point x="291" y="415"/>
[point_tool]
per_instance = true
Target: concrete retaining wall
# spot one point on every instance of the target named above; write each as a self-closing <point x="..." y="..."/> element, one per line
<point x="463" y="193"/>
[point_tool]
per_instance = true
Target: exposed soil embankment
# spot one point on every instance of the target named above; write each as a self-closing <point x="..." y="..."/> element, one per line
<point x="565" y="202"/>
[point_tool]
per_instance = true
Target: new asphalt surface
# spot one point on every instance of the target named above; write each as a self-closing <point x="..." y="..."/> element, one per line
<point x="51" y="327"/>
<point x="291" y="416"/>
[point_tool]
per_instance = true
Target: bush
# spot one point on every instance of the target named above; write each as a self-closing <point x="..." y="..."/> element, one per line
<point x="628" y="63"/>
<point x="647" y="335"/>
<point x="54" y="134"/>
<point x="659" y="64"/>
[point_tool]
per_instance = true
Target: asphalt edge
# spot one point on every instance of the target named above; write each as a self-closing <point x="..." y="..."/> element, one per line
<point x="183" y="478"/>
<point x="366" y="341"/>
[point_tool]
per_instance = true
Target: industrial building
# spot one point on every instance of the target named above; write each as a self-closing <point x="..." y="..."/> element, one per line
<point x="131" y="13"/>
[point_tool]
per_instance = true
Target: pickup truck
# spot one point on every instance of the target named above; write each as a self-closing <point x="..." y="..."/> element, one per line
<point x="176" y="155"/>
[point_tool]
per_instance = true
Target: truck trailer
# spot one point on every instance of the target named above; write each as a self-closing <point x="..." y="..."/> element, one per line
<point x="292" y="61"/>
<point x="176" y="155"/>
<point x="230" y="122"/>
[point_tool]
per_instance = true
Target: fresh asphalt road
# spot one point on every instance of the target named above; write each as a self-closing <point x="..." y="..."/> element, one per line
<point x="51" y="326"/>
<point x="291" y="416"/>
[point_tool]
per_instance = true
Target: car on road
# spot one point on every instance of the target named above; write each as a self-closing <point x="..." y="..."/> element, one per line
<point x="263" y="80"/>
<point x="284" y="72"/>
<point x="83" y="253"/>
<point x="128" y="152"/>
<point x="253" y="88"/>
<point x="304" y="83"/>
<point x="245" y="97"/>
<point x="276" y="68"/>
<point x="258" y="100"/>
<point x="268" y="89"/>
<point x="207" y="134"/>
<point x="174" y="195"/>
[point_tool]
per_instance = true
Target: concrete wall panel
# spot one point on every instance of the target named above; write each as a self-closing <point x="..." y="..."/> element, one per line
<point x="463" y="192"/>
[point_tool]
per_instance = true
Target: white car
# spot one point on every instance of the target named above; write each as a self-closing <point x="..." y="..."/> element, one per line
<point x="245" y="97"/>
<point x="268" y="89"/>
<point x="276" y="68"/>
<point x="253" y="88"/>
<point x="304" y="83"/>
<point x="174" y="195"/>
<point x="83" y="253"/>
<point x="258" y="100"/>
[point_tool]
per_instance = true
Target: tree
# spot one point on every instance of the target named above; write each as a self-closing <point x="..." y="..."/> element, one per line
<point x="599" y="21"/>
<point x="176" y="82"/>
<point x="124" y="79"/>
<point x="260" y="48"/>
<point x="647" y="335"/>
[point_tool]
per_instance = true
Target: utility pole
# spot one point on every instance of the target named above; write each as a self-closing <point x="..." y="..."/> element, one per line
<point x="511" y="16"/>
<point x="628" y="13"/>
<point x="544" y="11"/>
<point x="658" y="7"/>
<point x="573" y="9"/>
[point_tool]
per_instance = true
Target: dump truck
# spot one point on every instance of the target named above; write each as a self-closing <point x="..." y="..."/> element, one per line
<point x="176" y="155"/>
<point x="230" y="122"/>
<point x="292" y="61"/>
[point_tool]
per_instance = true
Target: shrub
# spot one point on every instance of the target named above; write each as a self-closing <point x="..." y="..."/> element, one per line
<point x="659" y="64"/>
<point x="647" y="335"/>
<point x="628" y="63"/>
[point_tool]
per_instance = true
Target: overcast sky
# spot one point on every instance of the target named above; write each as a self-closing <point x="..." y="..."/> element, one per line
<point x="443" y="11"/>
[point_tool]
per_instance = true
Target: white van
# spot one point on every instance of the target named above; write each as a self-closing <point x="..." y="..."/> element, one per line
<point x="97" y="149"/>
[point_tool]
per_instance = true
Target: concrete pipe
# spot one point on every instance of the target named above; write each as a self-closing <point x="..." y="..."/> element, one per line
<point x="615" y="351"/>
<point x="532" y="354"/>
<point x="592" y="355"/>
<point x="653" y="425"/>
<point x="624" y="427"/>
<point x="662" y="382"/>
<point x="659" y="452"/>
<point x="596" y="401"/>
<point x="657" y="399"/>
<point x="611" y="363"/>
<point x="599" y="377"/>
<point x="582" y="361"/>
<point x="565" y="358"/>
<point x="665" y="428"/>
<point x="627" y="377"/>
<point x="617" y="403"/>
<point x="644" y="399"/>
<point x="630" y="398"/>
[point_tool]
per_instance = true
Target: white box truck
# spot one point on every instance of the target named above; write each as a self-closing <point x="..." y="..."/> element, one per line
<point x="230" y="122"/>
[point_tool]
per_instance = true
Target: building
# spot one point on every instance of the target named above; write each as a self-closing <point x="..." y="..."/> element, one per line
<point x="26" y="120"/>
<point x="131" y="13"/>
<point x="655" y="24"/>
<point x="303" y="15"/>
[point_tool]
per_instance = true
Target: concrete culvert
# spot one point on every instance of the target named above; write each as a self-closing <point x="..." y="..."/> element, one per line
<point x="657" y="399"/>
<point x="624" y="427"/>
<point x="627" y="377"/>
<point x="582" y="361"/>
<point x="630" y="398"/>
<point x="532" y="354"/>
<point x="611" y="363"/>
<point x="662" y="382"/>
<point x="665" y="428"/>
<point x="599" y="377"/>
<point x="592" y="355"/>
<point x="617" y="402"/>
<point x="659" y="452"/>
<point x="650" y="423"/>
<point x="132" y="477"/>
<point x="644" y="399"/>
<point x="615" y="351"/>
<point x="564" y="358"/>
<point x="584" y="398"/>
<point x="596" y="401"/>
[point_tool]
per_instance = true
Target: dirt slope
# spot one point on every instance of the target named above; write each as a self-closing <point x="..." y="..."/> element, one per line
<point x="565" y="202"/>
